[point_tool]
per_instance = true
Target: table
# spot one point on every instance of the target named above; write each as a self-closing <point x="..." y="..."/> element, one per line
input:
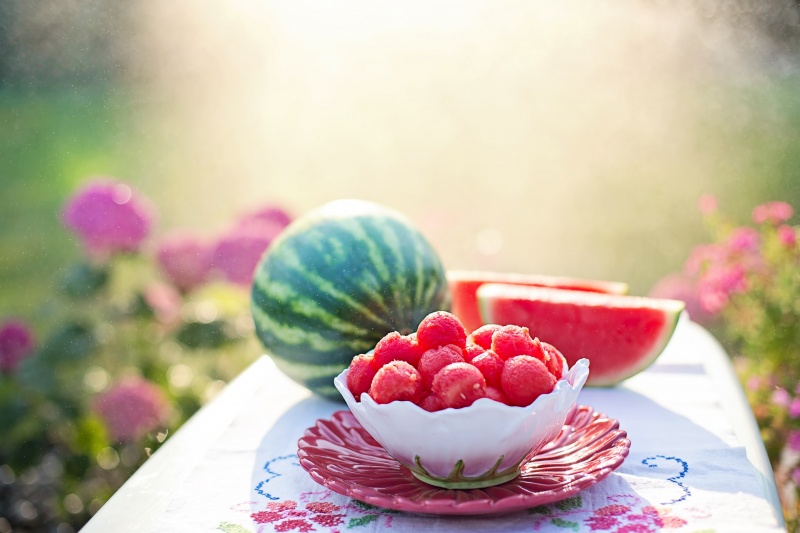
<point x="696" y="462"/>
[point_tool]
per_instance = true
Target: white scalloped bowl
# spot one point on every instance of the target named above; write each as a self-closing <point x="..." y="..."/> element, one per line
<point x="481" y="445"/>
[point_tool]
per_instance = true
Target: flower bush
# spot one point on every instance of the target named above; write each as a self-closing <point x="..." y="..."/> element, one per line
<point x="143" y="331"/>
<point x="745" y="286"/>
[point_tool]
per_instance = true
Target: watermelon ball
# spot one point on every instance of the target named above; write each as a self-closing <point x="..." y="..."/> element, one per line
<point x="458" y="385"/>
<point x="524" y="378"/>
<point x="396" y="347"/>
<point x="436" y="359"/>
<point x="493" y="393"/>
<point x="441" y="328"/>
<point x="396" y="381"/>
<point x="431" y="403"/>
<point x="359" y="377"/>
<point x="490" y="365"/>
<point x="510" y="341"/>
<point x="483" y="335"/>
<point x="555" y="360"/>
<point x="471" y="351"/>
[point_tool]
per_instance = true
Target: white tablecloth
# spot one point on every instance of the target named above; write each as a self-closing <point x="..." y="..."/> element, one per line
<point x="695" y="464"/>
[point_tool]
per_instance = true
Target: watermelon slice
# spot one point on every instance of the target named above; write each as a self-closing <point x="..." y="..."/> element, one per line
<point x="464" y="284"/>
<point x="620" y="335"/>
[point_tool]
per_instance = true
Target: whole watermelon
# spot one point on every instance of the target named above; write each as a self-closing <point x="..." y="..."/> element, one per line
<point x="335" y="282"/>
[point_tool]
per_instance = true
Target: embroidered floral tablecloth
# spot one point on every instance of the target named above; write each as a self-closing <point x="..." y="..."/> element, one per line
<point x="688" y="469"/>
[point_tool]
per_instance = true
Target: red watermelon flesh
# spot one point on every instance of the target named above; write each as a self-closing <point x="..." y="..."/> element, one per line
<point x="620" y="335"/>
<point x="464" y="286"/>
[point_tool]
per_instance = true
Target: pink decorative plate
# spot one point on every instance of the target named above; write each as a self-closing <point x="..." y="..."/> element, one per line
<point x="341" y="455"/>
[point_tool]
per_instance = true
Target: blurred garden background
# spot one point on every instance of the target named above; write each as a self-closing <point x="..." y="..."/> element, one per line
<point x="572" y="139"/>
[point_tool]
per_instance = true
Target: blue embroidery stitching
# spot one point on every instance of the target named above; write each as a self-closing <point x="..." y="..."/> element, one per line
<point x="674" y="479"/>
<point x="273" y="474"/>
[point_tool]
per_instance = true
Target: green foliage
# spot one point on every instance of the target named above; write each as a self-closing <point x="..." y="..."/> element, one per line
<point x="106" y="329"/>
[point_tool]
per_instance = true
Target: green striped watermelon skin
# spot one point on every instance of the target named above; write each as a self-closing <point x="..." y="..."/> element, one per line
<point x="335" y="282"/>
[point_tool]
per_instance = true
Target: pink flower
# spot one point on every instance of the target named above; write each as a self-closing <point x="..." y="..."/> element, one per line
<point x="681" y="287"/>
<point x="787" y="236"/>
<point x="131" y="409"/>
<point x="781" y="397"/>
<point x="237" y="253"/>
<point x="707" y="204"/>
<point x="794" y="408"/>
<point x="268" y="216"/>
<point x="796" y="477"/>
<point x="744" y="239"/>
<point x="703" y="256"/>
<point x="772" y="212"/>
<point x="165" y="302"/>
<point x="717" y="284"/>
<point x="16" y="343"/>
<point x="185" y="260"/>
<point x="108" y="216"/>
<point x="793" y="440"/>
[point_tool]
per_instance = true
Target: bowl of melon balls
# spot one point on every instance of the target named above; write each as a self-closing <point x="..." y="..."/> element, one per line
<point x="462" y="410"/>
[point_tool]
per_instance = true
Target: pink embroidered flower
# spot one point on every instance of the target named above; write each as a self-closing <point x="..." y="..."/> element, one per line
<point x="237" y="253"/>
<point x="772" y="212"/>
<point x="185" y="259"/>
<point x="16" y="343"/>
<point x="131" y="408"/>
<point x="707" y="204"/>
<point x="744" y="239"/>
<point x="286" y="516"/>
<point x="681" y="287"/>
<point x="108" y="216"/>
<point x="787" y="236"/>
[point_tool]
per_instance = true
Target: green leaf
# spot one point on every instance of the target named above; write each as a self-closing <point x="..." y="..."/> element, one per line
<point x="364" y="520"/>
<point x="70" y="341"/>
<point x="83" y="280"/>
<point x="195" y="335"/>
<point x="90" y="435"/>
<point x="575" y="502"/>
<point x="566" y="524"/>
<point x="229" y="527"/>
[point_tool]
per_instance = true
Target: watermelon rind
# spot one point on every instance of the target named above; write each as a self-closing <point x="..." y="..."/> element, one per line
<point x="491" y="295"/>
<point x="338" y="280"/>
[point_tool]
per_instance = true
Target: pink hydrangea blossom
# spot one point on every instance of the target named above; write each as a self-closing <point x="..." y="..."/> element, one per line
<point x="681" y="287"/>
<point x="772" y="212"/>
<point x="707" y="204"/>
<point x="108" y="216"/>
<point x="237" y="253"/>
<point x="787" y="236"/>
<point x="131" y="409"/>
<point x="16" y="343"/>
<point x="185" y="259"/>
